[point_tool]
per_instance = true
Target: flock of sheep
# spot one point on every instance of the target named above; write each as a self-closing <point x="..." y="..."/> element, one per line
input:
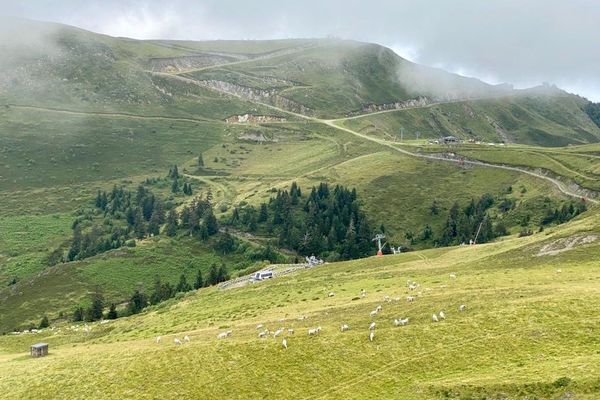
<point x="265" y="333"/>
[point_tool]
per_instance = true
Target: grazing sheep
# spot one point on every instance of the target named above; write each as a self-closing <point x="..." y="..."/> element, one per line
<point x="158" y="339"/>
<point x="372" y="326"/>
<point x="386" y="298"/>
<point x="228" y="333"/>
<point x="277" y="332"/>
<point x="363" y="292"/>
<point x="442" y="315"/>
<point x="302" y="317"/>
<point x="453" y="276"/>
<point x="378" y="308"/>
<point x="284" y="344"/>
<point x="373" y="313"/>
<point x="262" y="334"/>
<point x="559" y="270"/>
<point x="291" y="331"/>
<point x="461" y="308"/>
<point x="434" y="318"/>
<point x="412" y="286"/>
<point x="259" y="326"/>
<point x="371" y="336"/>
<point x="177" y="341"/>
<point x="401" y="322"/>
<point x="222" y="335"/>
<point x="331" y="294"/>
<point x="186" y="338"/>
<point x="314" y="331"/>
<point x="344" y="328"/>
<point x="410" y="299"/>
<point x="282" y="320"/>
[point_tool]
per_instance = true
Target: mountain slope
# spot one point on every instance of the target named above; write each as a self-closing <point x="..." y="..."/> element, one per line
<point x="528" y="329"/>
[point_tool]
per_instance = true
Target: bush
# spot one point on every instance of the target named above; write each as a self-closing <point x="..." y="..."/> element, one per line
<point x="562" y="382"/>
<point x="130" y="243"/>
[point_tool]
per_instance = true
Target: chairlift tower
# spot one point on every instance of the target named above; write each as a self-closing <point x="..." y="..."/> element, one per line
<point x="378" y="239"/>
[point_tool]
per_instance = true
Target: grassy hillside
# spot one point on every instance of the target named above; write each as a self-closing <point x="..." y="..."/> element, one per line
<point x="552" y="120"/>
<point x="81" y="112"/>
<point x="528" y="330"/>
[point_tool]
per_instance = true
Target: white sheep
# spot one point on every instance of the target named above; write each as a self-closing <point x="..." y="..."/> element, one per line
<point x="331" y="294"/>
<point x="412" y="286"/>
<point x="373" y="313"/>
<point x="401" y="322"/>
<point x="277" y="332"/>
<point x="396" y="298"/>
<point x="259" y="326"/>
<point x="158" y="338"/>
<point x="372" y="326"/>
<point x="410" y="299"/>
<point x="386" y="298"/>
<point x="434" y="318"/>
<point x="284" y="344"/>
<point x="371" y="336"/>
<point x="453" y="276"/>
<point x="442" y="315"/>
<point x="314" y="331"/>
<point x="363" y="292"/>
<point x="186" y="338"/>
<point x="228" y="333"/>
<point x="462" y="308"/>
<point x="559" y="270"/>
<point x="378" y="308"/>
<point x="344" y="328"/>
<point x="302" y="318"/>
<point x="262" y="334"/>
<point x="222" y="335"/>
<point x="291" y="331"/>
<point x="177" y="341"/>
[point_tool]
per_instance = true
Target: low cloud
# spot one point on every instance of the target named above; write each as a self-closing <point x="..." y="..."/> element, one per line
<point x="521" y="42"/>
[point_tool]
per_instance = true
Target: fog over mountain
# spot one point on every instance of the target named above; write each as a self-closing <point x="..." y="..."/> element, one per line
<point x="521" y="42"/>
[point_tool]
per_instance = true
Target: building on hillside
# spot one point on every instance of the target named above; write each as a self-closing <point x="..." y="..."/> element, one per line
<point x="39" y="350"/>
<point x="450" y="139"/>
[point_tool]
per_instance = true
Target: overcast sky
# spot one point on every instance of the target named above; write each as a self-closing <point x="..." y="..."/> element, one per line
<point x="524" y="42"/>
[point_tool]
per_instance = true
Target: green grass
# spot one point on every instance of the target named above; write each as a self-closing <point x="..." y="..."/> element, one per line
<point x="26" y="241"/>
<point x="525" y="119"/>
<point x="118" y="273"/>
<point x="526" y="326"/>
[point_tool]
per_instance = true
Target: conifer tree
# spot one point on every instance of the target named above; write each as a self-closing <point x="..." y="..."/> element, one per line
<point x="198" y="283"/>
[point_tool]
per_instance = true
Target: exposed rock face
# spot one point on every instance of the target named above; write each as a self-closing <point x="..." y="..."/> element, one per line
<point x="186" y="63"/>
<point x="241" y="119"/>
<point x="399" y="105"/>
<point x="269" y="96"/>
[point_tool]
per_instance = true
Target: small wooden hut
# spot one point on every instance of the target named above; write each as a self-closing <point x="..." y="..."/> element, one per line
<point x="39" y="350"/>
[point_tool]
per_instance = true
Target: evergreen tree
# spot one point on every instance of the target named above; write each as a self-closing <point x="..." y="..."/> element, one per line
<point x="198" y="283"/>
<point x="112" y="312"/>
<point x="213" y="275"/>
<point x="78" y="314"/>
<point x="225" y="244"/>
<point x="173" y="172"/>
<point x="263" y="215"/>
<point x="139" y="227"/>
<point x="171" y="229"/>
<point x="175" y="186"/>
<point x="182" y="286"/>
<point x="95" y="310"/>
<point x="137" y="302"/>
<point x="44" y="323"/>
<point x="210" y="221"/>
<point x="200" y="160"/>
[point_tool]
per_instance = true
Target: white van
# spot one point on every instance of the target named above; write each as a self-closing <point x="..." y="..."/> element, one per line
<point x="262" y="275"/>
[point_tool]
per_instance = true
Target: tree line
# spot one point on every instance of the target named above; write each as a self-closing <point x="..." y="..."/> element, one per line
<point x="328" y="222"/>
<point x="139" y="300"/>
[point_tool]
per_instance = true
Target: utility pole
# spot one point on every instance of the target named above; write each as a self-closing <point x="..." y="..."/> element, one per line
<point x="401" y="133"/>
<point x="378" y="239"/>
<point x="418" y="133"/>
